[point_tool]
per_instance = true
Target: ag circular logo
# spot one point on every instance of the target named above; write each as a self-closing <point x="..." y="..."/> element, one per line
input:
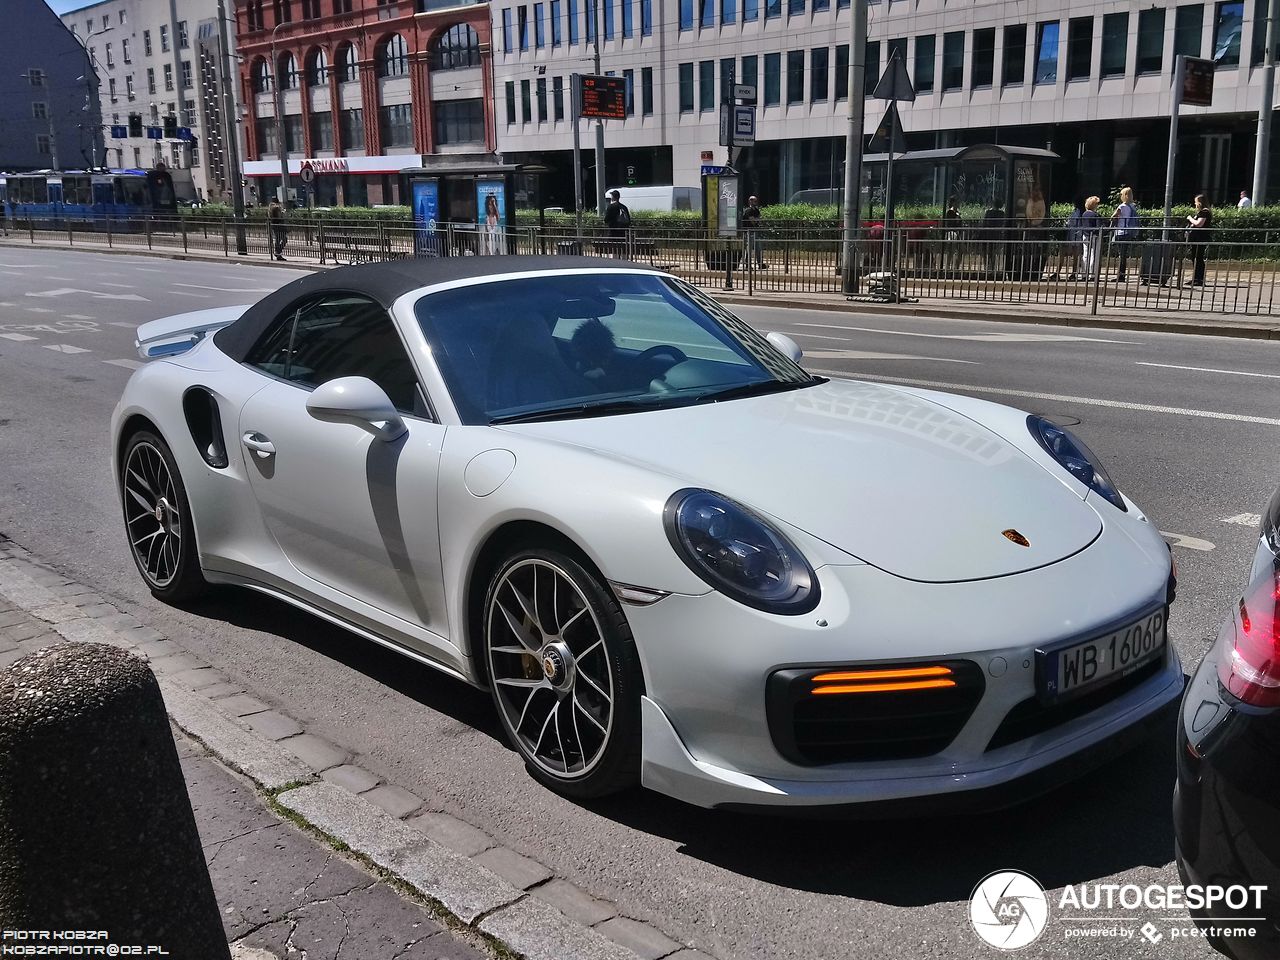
<point x="1008" y="909"/>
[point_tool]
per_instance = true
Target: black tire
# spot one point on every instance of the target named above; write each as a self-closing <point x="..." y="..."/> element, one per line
<point x="614" y="763"/>
<point x="162" y="542"/>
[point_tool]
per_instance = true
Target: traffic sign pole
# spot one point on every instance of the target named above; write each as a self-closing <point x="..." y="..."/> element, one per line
<point x="1179" y="77"/>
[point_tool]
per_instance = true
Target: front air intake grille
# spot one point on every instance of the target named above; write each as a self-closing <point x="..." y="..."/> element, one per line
<point x="870" y="711"/>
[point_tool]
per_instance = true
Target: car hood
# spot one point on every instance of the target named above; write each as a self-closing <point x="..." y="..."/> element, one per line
<point x="891" y="478"/>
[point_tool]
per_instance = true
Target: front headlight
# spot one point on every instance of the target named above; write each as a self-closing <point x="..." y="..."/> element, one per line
<point x="1079" y="461"/>
<point x="738" y="553"/>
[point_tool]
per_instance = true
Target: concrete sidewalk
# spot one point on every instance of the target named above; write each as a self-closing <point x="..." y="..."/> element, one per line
<point x="1112" y="316"/>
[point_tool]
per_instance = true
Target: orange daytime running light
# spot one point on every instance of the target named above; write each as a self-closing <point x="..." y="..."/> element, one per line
<point x="885" y="687"/>
<point x="890" y="673"/>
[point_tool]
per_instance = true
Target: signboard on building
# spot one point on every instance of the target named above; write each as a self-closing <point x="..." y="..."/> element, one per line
<point x="744" y="126"/>
<point x="1197" y="82"/>
<point x="603" y="97"/>
<point x="708" y="156"/>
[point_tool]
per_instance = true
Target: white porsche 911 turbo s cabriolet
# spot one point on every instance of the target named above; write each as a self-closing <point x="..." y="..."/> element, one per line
<point x="672" y="555"/>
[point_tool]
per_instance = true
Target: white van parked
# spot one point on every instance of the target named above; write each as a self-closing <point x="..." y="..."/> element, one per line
<point x="664" y="199"/>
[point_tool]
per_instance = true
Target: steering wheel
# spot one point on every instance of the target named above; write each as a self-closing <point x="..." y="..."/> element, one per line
<point x="662" y="349"/>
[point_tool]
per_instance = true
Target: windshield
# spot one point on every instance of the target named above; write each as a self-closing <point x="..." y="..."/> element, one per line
<point x="592" y="344"/>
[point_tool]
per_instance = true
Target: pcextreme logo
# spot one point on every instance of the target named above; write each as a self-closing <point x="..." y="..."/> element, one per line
<point x="1008" y="909"/>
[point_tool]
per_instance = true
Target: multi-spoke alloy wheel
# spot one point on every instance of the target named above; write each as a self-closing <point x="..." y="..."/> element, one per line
<point x="564" y="673"/>
<point x="157" y="520"/>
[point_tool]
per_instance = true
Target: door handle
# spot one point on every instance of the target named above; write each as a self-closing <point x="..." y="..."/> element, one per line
<point x="260" y="445"/>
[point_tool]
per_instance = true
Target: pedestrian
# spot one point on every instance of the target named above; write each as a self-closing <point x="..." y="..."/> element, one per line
<point x="953" y="235"/>
<point x="1245" y="202"/>
<point x="618" y="219"/>
<point x="1199" y="232"/>
<point x="751" y="224"/>
<point x="279" y="228"/>
<point x="1125" y="224"/>
<point x="1091" y="238"/>
<point x="1069" y="248"/>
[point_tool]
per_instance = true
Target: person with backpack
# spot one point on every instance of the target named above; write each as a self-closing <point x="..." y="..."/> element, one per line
<point x="1125" y="223"/>
<point x="618" y="219"/>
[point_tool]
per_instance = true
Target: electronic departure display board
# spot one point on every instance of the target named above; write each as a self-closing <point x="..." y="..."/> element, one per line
<point x="604" y="97"/>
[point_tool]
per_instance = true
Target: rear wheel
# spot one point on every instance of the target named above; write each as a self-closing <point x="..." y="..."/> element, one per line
<point x="157" y="520"/>
<point x="564" y="673"/>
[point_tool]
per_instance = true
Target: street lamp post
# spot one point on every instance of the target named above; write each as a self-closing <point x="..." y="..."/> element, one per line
<point x="230" y="129"/>
<point x="95" y="94"/>
<point x="279" y="98"/>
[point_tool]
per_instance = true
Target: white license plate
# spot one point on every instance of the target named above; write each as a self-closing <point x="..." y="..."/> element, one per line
<point x="1072" y="670"/>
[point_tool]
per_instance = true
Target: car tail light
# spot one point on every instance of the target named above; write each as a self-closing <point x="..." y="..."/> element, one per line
<point x="1249" y="667"/>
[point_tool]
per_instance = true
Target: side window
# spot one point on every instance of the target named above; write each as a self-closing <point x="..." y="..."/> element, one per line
<point x="271" y="353"/>
<point x="347" y="336"/>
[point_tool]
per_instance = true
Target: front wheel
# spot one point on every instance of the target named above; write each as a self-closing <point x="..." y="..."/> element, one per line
<point x="157" y="520"/>
<point x="564" y="674"/>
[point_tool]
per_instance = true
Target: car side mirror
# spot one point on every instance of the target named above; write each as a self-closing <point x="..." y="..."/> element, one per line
<point x="785" y="346"/>
<point x="357" y="400"/>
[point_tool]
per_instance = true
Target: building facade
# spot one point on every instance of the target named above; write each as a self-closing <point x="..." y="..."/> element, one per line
<point x="369" y="88"/>
<point x="148" y="66"/>
<point x="1089" y="79"/>
<point x="48" y="115"/>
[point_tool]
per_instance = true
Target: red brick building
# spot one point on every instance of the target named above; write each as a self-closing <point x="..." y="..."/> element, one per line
<point x="369" y="88"/>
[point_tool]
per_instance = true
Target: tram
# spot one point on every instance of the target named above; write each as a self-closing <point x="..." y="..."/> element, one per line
<point x="52" y="198"/>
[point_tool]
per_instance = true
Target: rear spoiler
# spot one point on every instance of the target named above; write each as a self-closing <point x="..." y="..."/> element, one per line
<point x="178" y="334"/>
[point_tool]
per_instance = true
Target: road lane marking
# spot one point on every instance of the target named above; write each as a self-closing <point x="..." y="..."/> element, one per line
<point x="63" y="291"/>
<point x="127" y="286"/>
<point x="185" y="293"/>
<point x="64" y="348"/>
<point x="1244" y="519"/>
<point x="979" y="337"/>
<point x="872" y="355"/>
<point x="1189" y="543"/>
<point x="38" y="309"/>
<point x="201" y="286"/>
<point x="1237" y="373"/>
<point x="127" y="364"/>
<point x="123" y="323"/>
<point x="79" y="316"/>
<point x="17" y="337"/>
<point x="1038" y="395"/>
<point x="150" y="270"/>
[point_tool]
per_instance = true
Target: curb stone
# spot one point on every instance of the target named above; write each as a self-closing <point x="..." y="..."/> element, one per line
<point x="525" y="923"/>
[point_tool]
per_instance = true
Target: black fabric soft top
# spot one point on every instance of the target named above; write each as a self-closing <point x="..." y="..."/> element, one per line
<point x="386" y="282"/>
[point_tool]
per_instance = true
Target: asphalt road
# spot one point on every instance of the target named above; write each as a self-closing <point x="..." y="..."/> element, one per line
<point x="1187" y="425"/>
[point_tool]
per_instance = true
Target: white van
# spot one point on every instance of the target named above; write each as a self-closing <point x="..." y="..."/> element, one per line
<point x="664" y="199"/>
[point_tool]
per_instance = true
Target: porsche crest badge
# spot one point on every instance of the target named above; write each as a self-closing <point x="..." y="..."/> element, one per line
<point x="1015" y="537"/>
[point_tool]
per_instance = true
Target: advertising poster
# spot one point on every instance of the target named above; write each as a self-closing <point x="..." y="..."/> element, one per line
<point x="426" y="211"/>
<point x="491" y="216"/>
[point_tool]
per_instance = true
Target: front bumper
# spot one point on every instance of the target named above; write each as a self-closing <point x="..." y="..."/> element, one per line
<point x="706" y="738"/>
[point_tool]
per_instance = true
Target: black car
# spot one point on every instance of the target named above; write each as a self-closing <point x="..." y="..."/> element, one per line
<point x="1226" y="805"/>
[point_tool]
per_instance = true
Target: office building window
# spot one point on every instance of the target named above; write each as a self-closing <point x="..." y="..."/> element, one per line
<point x="750" y="70"/>
<point x="124" y="50"/>
<point x="341" y="7"/>
<point x="842" y="72"/>
<point x="728" y="11"/>
<point x="526" y="103"/>
<point x="1151" y="40"/>
<point x="122" y="16"/>
<point x="164" y="38"/>
<point x="646" y="18"/>
<point x="458" y="121"/>
<point x="137" y="157"/>
<point x="293" y="133"/>
<point x="983" y="68"/>
<point x="168" y="76"/>
<point x="267" y="138"/>
<point x="608" y="18"/>
<point x="456" y="49"/>
<point x="111" y="59"/>
<point x="871" y="67"/>
<point x="396" y="125"/>
<point x="628" y="20"/>
<point x="1187" y="26"/>
<point x="1115" y="40"/>
<point x="1079" y="48"/>
<point x="630" y="77"/>
<point x="772" y="79"/>
<point x="646" y="91"/>
<point x="42" y="143"/>
<point x="686" y="88"/>
<point x="952" y="61"/>
<point x="1014" y="70"/>
<point x="821" y="5"/>
<point x="511" y="101"/>
<point x="540" y="94"/>
<point x="321" y="131"/>
<point x="346" y="65"/>
<point x="572" y="17"/>
<point x="557" y="98"/>
<point x="183" y="40"/>
<point x="111" y="88"/>
<point x="128" y="86"/>
<point x="392" y="57"/>
<point x="795" y="8"/>
<point x="151" y="80"/>
<point x="750" y="11"/>
<point x="706" y="85"/>
<point x="146" y="41"/>
<point x="706" y="14"/>
<point x="188" y="113"/>
<point x="188" y="78"/>
<point x="39" y="110"/>
<point x="522" y="25"/>
<point x="1258" y="46"/>
<point x="772" y="9"/>
<point x="1227" y="27"/>
<point x="352" y="122"/>
<point x="819" y="60"/>
<point x="589" y="18"/>
<point x="795" y="76"/>
<point x="686" y="14"/>
<point x="1047" y="51"/>
<point x="926" y="62"/>
<point x="507" y="44"/>
<point x="539" y="30"/>
<point x="557" y="31"/>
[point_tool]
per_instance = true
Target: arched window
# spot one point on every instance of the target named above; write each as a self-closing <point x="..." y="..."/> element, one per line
<point x="393" y="57"/>
<point x="317" y="68"/>
<point x="345" y="63"/>
<point x="288" y="72"/>
<point x="457" y="47"/>
<point x="261" y="76"/>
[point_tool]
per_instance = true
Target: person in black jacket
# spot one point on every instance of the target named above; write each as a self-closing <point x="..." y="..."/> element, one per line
<point x="618" y="219"/>
<point x="751" y="224"/>
<point x="1198" y="234"/>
